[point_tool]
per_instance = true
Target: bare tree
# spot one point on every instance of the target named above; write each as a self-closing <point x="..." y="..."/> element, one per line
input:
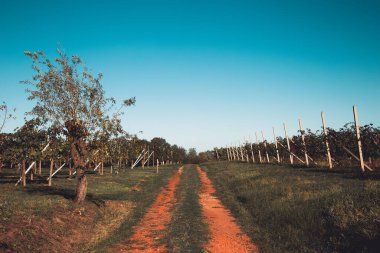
<point x="5" y="115"/>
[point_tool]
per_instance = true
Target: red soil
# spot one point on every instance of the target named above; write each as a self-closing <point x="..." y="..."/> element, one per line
<point x="149" y="233"/>
<point x="225" y="234"/>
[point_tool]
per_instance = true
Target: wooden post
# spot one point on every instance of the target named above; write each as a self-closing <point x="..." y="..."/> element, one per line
<point x="241" y="152"/>
<point x="303" y="142"/>
<point x="35" y="168"/>
<point x="265" y="146"/>
<point x="102" y="168"/>
<point x="275" y="142"/>
<point x="147" y="163"/>
<point x="246" y="151"/>
<point x="143" y="160"/>
<point x="157" y="166"/>
<point x="153" y="159"/>
<point x="358" y="138"/>
<point x="23" y="175"/>
<point x="40" y="167"/>
<point x="217" y="155"/>
<point x="252" y="155"/>
<point x="111" y="169"/>
<point x="287" y="141"/>
<point x="326" y="141"/>
<point x="51" y="172"/>
<point x="258" y="147"/>
<point x="294" y="155"/>
<point x="33" y="171"/>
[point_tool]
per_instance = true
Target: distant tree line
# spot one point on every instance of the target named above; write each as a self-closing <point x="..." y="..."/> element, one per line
<point x="27" y="142"/>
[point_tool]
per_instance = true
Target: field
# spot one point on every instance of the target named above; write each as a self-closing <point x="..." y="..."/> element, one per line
<point x="213" y="207"/>
<point x="39" y="218"/>
<point x="286" y="209"/>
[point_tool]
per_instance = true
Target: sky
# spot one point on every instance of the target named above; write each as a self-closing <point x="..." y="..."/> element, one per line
<point x="207" y="73"/>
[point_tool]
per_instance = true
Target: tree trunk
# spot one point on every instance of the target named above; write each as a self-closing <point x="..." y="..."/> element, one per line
<point x="81" y="187"/>
<point x="77" y="134"/>
<point x="81" y="182"/>
<point x="70" y="169"/>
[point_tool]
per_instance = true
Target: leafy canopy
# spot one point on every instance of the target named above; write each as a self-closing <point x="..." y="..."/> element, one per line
<point x="65" y="91"/>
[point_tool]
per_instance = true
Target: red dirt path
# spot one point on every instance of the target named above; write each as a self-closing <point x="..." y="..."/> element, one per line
<point x="148" y="234"/>
<point x="225" y="234"/>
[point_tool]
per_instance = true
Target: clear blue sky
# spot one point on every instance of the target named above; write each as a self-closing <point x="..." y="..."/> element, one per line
<point x="207" y="73"/>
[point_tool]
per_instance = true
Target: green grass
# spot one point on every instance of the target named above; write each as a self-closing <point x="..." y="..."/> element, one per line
<point x="187" y="233"/>
<point x="285" y="209"/>
<point x="37" y="201"/>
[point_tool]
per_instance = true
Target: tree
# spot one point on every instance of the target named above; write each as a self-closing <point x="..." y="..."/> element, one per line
<point x="192" y="156"/>
<point x="160" y="148"/>
<point x="179" y="153"/>
<point x="69" y="97"/>
<point x="4" y="117"/>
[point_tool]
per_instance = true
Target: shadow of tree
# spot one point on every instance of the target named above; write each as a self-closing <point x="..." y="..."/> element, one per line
<point x="68" y="194"/>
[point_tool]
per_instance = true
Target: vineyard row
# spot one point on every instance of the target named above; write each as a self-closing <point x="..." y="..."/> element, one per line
<point x="351" y="145"/>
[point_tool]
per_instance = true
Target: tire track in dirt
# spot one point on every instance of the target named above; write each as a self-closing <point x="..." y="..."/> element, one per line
<point x="225" y="234"/>
<point x="148" y="235"/>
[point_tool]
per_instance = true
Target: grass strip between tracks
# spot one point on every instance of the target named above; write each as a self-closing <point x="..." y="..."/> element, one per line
<point x="187" y="232"/>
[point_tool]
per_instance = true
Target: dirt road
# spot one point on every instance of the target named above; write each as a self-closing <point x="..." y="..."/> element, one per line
<point x="224" y="234"/>
<point x="149" y="233"/>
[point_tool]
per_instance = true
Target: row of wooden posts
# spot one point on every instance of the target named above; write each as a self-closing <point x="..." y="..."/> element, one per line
<point x="142" y="158"/>
<point x="33" y="171"/>
<point x="237" y="153"/>
<point x="33" y="167"/>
